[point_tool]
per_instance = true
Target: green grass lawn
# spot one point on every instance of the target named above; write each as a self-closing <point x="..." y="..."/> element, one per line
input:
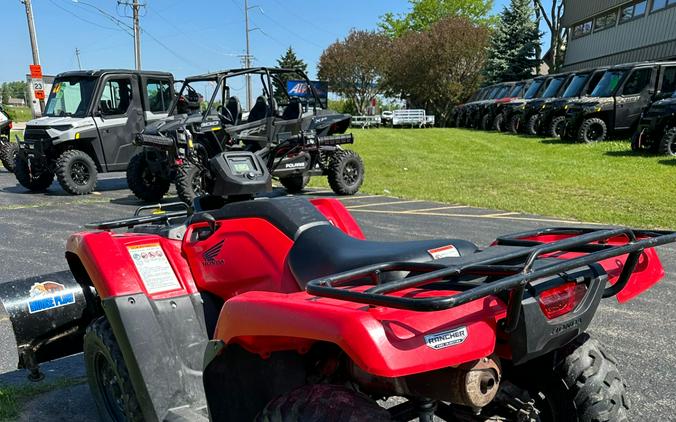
<point x="19" y="114"/>
<point x="604" y="183"/>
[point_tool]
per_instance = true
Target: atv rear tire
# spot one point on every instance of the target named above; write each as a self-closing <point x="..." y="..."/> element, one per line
<point x="8" y="151"/>
<point x="346" y="172"/>
<point x="295" y="183"/>
<point x="323" y="402"/>
<point x="76" y="172"/>
<point x="556" y="127"/>
<point x="585" y="385"/>
<point x="668" y="143"/>
<point x="108" y="376"/>
<point x="532" y="125"/>
<point x="28" y="181"/>
<point x="143" y="183"/>
<point x="592" y="130"/>
<point x="498" y="122"/>
<point x="191" y="182"/>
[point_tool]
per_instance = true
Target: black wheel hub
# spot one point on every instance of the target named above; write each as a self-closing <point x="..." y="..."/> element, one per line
<point x="110" y="386"/>
<point x="595" y="132"/>
<point x="79" y="172"/>
<point x="350" y="173"/>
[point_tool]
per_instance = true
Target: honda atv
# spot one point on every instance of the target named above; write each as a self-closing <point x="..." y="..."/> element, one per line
<point x="656" y="130"/>
<point x="8" y="148"/>
<point x="297" y="140"/>
<point x="277" y="309"/>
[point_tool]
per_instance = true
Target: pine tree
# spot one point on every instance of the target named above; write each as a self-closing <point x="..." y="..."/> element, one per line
<point x="512" y="54"/>
<point x="288" y="60"/>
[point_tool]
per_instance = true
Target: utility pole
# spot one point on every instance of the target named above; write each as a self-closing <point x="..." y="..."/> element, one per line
<point x="137" y="36"/>
<point x="77" y="54"/>
<point x="247" y="57"/>
<point x="34" y="40"/>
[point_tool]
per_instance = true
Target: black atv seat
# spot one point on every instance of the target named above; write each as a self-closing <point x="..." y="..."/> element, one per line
<point x="259" y="111"/>
<point x="324" y="250"/>
<point x="235" y="109"/>
<point x="293" y="110"/>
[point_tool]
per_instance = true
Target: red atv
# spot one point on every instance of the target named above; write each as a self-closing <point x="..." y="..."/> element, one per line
<point x="277" y="309"/>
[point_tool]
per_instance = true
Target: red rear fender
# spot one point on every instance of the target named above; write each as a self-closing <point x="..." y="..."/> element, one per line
<point x="382" y="341"/>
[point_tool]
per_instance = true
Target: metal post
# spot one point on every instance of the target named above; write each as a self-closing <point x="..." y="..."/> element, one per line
<point x="77" y="54"/>
<point x="34" y="40"/>
<point x="137" y="36"/>
<point x="247" y="58"/>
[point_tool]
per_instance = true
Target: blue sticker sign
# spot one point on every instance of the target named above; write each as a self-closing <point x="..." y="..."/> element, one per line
<point x="301" y="89"/>
<point x="48" y="295"/>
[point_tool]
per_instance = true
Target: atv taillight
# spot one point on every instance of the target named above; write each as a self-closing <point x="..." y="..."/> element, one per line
<point x="561" y="299"/>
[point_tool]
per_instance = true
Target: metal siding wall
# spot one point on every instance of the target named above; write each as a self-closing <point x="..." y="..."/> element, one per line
<point x="663" y="51"/>
<point x="577" y="10"/>
<point x="655" y="28"/>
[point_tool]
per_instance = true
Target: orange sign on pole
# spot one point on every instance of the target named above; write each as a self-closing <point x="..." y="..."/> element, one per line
<point x="36" y="71"/>
<point x="39" y="94"/>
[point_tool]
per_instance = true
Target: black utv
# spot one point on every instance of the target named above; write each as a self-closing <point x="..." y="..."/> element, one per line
<point x="493" y="119"/>
<point x="457" y="112"/>
<point x="512" y="112"/>
<point x="88" y="126"/>
<point x="656" y="130"/>
<point x="477" y="110"/>
<point x="462" y="112"/>
<point x="552" y="115"/>
<point x="616" y="104"/>
<point x="8" y="148"/>
<point x="296" y="137"/>
<point x="554" y="87"/>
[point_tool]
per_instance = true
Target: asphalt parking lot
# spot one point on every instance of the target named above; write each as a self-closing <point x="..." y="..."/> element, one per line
<point x="34" y="226"/>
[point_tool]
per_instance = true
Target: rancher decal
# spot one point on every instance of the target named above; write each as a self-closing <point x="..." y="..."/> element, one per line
<point x="446" y="338"/>
<point x="48" y="295"/>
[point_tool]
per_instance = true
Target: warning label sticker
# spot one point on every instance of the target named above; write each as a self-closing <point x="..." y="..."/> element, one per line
<point x="154" y="268"/>
<point x="448" y="251"/>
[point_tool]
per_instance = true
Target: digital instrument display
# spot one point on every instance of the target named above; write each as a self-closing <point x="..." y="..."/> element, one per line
<point x="242" y="165"/>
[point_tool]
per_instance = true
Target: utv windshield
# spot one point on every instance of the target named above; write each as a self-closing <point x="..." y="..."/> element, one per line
<point x="608" y="83"/>
<point x="534" y="88"/>
<point x="553" y="87"/>
<point x="70" y="97"/>
<point x="517" y="90"/>
<point x="501" y="93"/>
<point x="576" y="85"/>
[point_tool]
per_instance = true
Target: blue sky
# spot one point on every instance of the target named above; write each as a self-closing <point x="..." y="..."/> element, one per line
<point x="182" y="36"/>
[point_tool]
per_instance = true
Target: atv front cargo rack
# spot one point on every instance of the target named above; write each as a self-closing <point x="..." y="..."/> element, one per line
<point x="160" y="213"/>
<point x="506" y="276"/>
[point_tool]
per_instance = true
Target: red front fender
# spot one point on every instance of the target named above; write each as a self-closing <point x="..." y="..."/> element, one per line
<point x="382" y="341"/>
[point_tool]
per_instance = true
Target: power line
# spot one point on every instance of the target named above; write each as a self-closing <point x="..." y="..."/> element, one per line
<point x="289" y="30"/>
<point x="70" y="12"/>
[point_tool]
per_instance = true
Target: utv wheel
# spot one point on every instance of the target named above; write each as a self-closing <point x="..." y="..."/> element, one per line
<point x="143" y="183"/>
<point x="486" y="122"/>
<point x="8" y="151"/>
<point x="514" y="123"/>
<point x="76" y="172"/>
<point x="592" y="130"/>
<point x="585" y="386"/>
<point x="346" y="172"/>
<point x="668" y="143"/>
<point x="23" y="175"/>
<point x="556" y="127"/>
<point x="323" y="402"/>
<point x="191" y="182"/>
<point x="107" y="375"/>
<point x="498" y="122"/>
<point x="295" y="183"/>
<point x="532" y="125"/>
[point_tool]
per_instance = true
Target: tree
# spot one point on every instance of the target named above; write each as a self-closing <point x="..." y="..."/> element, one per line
<point x="557" y="43"/>
<point x="288" y="60"/>
<point x="440" y="67"/>
<point x="424" y="13"/>
<point x="512" y="54"/>
<point x="354" y="66"/>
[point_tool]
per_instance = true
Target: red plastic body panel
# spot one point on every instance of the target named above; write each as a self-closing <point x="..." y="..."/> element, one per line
<point x="647" y="273"/>
<point x="382" y="341"/>
<point x="338" y="215"/>
<point x="106" y="258"/>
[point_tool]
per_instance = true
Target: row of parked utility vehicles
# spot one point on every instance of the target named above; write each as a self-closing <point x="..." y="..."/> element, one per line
<point x="636" y="99"/>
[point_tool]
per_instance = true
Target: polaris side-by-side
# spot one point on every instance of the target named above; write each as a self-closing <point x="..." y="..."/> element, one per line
<point x="8" y="148"/>
<point x="297" y="139"/>
<point x="656" y="131"/>
<point x="278" y="309"/>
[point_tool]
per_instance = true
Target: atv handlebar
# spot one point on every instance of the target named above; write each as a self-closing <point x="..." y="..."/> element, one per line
<point x="510" y="278"/>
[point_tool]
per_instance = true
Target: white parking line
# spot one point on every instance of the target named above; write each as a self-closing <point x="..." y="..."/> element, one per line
<point x="382" y="203"/>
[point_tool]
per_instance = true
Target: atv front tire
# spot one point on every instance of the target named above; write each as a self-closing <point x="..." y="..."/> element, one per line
<point x="191" y="182"/>
<point x="23" y="175"/>
<point x="346" y="172"/>
<point x="108" y="376"/>
<point x="76" y="172"/>
<point x="556" y="127"/>
<point x="323" y="402"/>
<point x="295" y="183"/>
<point x="592" y="130"/>
<point x="143" y="183"/>
<point x="668" y="143"/>
<point x="8" y="151"/>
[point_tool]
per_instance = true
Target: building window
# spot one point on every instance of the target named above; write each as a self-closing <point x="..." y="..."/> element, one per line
<point x="582" y="29"/>
<point x="633" y="11"/>
<point x="606" y="21"/>
<point x="661" y="4"/>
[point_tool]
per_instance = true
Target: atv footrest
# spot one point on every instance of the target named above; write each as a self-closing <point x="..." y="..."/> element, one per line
<point x="155" y="141"/>
<point x="333" y="140"/>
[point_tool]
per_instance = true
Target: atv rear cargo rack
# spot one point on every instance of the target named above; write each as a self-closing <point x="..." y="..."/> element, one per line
<point x="508" y="277"/>
<point x="160" y="213"/>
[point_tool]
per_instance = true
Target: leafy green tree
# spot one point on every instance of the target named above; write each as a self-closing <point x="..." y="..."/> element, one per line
<point x="291" y="61"/>
<point x="512" y="54"/>
<point x="424" y="13"/>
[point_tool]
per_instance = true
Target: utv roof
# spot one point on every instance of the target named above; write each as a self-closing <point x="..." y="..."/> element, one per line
<point x="242" y="71"/>
<point x="100" y="72"/>
<point x="646" y="63"/>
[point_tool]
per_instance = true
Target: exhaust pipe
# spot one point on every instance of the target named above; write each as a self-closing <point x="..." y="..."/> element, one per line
<point x="48" y="316"/>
